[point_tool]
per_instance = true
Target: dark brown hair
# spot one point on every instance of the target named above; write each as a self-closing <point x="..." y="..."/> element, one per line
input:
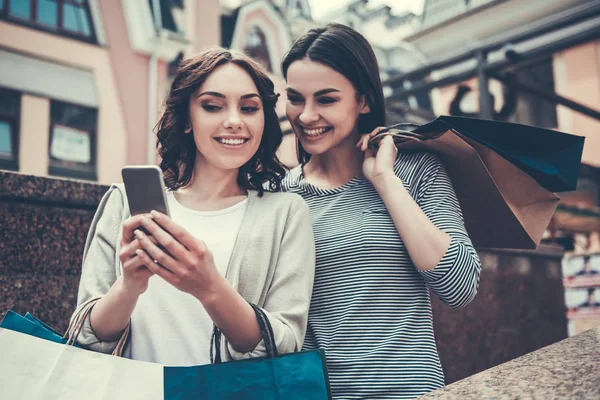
<point x="346" y="51"/>
<point x="178" y="149"/>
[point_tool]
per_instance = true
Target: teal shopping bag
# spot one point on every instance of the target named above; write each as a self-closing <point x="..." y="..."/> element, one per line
<point x="30" y="325"/>
<point x="293" y="376"/>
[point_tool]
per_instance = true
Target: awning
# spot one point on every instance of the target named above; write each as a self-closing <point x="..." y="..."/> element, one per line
<point x="44" y="78"/>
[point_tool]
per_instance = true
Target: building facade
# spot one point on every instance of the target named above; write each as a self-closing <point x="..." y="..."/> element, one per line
<point x="82" y="81"/>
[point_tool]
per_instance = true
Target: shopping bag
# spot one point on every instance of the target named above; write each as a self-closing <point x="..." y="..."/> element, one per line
<point x="293" y="376"/>
<point x="30" y="325"/>
<point x="499" y="186"/>
<point x="551" y="157"/>
<point x="35" y="368"/>
<point x="39" y="363"/>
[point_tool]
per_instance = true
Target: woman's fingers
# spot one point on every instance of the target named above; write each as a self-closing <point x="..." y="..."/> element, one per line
<point x="129" y="226"/>
<point x="167" y="238"/>
<point x="128" y="250"/>
<point x="133" y="262"/>
<point x="178" y="232"/>
<point x="363" y="143"/>
<point x="154" y="266"/>
<point x="157" y="254"/>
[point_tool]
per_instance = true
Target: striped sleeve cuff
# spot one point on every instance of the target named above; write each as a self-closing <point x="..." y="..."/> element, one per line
<point x="456" y="278"/>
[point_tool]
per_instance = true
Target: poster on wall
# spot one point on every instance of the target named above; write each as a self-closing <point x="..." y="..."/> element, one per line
<point x="69" y="144"/>
<point x="581" y="279"/>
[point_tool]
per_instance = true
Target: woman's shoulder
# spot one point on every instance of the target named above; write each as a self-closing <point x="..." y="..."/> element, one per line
<point x="114" y="202"/>
<point x="417" y="159"/>
<point x="291" y="179"/>
<point x="281" y="205"/>
<point x="280" y="199"/>
<point x="416" y="162"/>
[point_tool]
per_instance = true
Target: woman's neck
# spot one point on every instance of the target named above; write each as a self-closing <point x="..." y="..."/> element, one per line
<point x="335" y="167"/>
<point x="211" y="188"/>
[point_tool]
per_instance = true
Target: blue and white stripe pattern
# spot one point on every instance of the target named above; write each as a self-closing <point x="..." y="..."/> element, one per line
<point x="370" y="308"/>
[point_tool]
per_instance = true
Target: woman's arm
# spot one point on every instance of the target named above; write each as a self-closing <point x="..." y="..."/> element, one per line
<point x="426" y="243"/>
<point x="111" y="314"/>
<point x="118" y="295"/>
<point x="288" y="300"/>
<point x="431" y="226"/>
<point x="99" y="272"/>
<point x="189" y="267"/>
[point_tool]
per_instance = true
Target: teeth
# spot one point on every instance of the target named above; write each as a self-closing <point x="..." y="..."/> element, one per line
<point x="234" y="142"/>
<point x="315" y="132"/>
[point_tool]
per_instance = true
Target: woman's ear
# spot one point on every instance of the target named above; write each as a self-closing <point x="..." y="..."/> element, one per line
<point x="364" y="105"/>
<point x="188" y="127"/>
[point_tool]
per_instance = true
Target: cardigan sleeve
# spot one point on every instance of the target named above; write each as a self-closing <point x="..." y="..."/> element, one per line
<point x="288" y="297"/>
<point x="99" y="269"/>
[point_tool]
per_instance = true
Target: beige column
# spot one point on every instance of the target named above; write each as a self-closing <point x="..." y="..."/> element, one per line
<point x="34" y="135"/>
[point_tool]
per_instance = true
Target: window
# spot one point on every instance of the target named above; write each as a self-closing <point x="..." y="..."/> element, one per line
<point x="72" y="141"/>
<point x="67" y="17"/>
<point x="10" y="110"/>
<point x="172" y="14"/>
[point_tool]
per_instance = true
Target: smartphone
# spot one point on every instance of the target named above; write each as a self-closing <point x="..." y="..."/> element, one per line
<point x="145" y="189"/>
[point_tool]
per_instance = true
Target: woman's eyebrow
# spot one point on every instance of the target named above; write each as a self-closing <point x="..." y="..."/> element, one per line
<point x="290" y="90"/>
<point x="216" y="94"/>
<point x="221" y="95"/>
<point x="317" y="93"/>
<point x="325" y="91"/>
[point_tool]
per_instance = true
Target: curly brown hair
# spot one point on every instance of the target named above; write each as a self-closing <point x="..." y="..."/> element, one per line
<point x="178" y="149"/>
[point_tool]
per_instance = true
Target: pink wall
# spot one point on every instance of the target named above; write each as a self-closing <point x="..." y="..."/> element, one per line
<point x="112" y="130"/>
<point x="208" y="25"/>
<point x="577" y="73"/>
<point x="131" y="72"/>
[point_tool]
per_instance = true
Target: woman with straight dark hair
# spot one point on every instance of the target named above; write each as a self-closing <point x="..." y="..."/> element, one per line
<point x="387" y="225"/>
<point x="227" y="242"/>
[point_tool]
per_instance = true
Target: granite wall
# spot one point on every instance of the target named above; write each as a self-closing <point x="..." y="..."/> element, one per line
<point x="519" y="308"/>
<point x="43" y="227"/>
<point x="44" y="222"/>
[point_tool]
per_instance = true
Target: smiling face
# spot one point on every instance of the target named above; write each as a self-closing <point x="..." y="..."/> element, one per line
<point x="226" y="117"/>
<point x="323" y="107"/>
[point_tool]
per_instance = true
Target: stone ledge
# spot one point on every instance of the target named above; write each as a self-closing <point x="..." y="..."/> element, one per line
<point x="62" y="192"/>
<point x="565" y="370"/>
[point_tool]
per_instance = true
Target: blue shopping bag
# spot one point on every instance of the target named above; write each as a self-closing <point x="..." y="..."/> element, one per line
<point x="293" y="376"/>
<point x="30" y="325"/>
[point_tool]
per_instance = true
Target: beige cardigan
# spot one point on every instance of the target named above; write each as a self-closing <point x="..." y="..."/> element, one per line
<point x="272" y="264"/>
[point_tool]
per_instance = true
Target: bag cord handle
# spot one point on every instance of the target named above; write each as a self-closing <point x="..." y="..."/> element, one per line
<point x="266" y="332"/>
<point x="77" y="322"/>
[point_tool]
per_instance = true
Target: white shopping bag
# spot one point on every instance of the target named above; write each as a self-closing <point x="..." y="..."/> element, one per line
<point x="32" y="368"/>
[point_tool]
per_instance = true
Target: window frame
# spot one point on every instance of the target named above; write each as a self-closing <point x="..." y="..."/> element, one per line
<point x="60" y="30"/>
<point x="65" y="169"/>
<point x="12" y="163"/>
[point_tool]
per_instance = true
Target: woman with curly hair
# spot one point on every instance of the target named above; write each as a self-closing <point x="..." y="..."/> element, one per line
<point x="228" y="242"/>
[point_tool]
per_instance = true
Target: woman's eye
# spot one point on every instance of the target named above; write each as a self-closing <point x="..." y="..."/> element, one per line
<point x="249" y="109"/>
<point x="210" y="107"/>
<point x="295" y="100"/>
<point x="326" y="100"/>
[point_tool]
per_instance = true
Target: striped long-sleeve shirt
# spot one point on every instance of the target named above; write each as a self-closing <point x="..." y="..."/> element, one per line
<point x="370" y="308"/>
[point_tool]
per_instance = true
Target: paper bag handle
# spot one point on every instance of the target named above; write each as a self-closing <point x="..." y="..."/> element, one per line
<point x="77" y="322"/>
<point x="266" y="332"/>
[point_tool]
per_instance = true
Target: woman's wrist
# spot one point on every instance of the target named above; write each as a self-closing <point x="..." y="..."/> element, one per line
<point x="209" y="294"/>
<point x="126" y="292"/>
<point x="386" y="182"/>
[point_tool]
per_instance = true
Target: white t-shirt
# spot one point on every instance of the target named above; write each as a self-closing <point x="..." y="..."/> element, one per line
<point x="169" y="326"/>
